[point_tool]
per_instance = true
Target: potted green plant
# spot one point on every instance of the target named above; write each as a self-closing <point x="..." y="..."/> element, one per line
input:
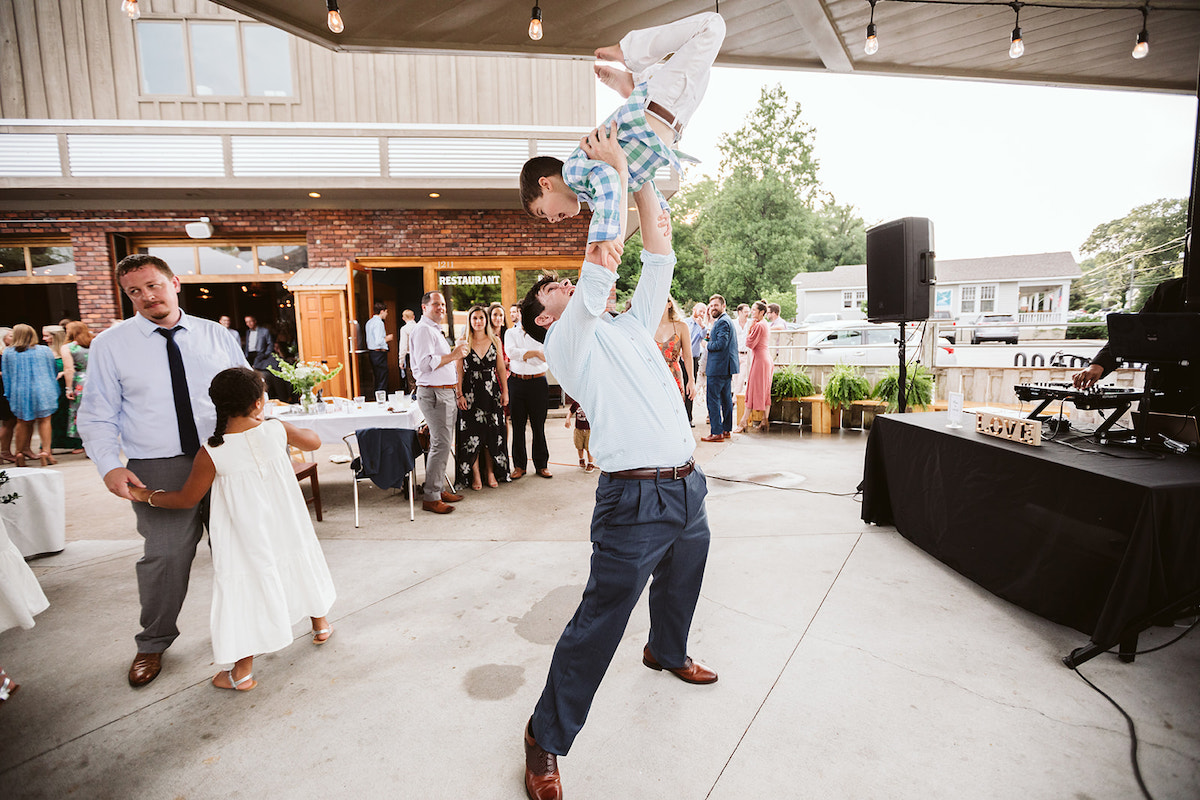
<point x="846" y="384"/>
<point x="788" y="385"/>
<point x="918" y="387"/>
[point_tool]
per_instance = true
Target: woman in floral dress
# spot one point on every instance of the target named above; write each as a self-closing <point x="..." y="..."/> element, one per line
<point x="482" y="395"/>
<point x="79" y="339"/>
<point x="675" y="341"/>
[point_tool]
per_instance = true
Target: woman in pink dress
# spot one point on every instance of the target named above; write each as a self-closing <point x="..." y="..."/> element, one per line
<point x="758" y="380"/>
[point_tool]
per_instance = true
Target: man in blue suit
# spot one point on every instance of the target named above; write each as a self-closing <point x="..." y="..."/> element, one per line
<point x="722" y="366"/>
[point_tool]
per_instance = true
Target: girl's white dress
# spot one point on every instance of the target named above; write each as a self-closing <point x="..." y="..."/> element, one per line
<point x="20" y="595"/>
<point x="269" y="571"/>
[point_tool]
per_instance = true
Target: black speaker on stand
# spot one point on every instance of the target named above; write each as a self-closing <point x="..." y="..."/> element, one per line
<point x="900" y="278"/>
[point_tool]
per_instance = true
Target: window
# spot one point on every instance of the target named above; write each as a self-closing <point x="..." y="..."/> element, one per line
<point x="968" y="300"/>
<point x="214" y="59"/>
<point x="37" y="263"/>
<point x="852" y="298"/>
<point x="251" y="261"/>
<point x="987" y="298"/>
<point x="848" y="299"/>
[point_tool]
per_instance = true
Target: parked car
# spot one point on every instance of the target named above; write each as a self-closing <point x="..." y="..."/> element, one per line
<point x="871" y="345"/>
<point x="819" y="319"/>
<point x="995" y="328"/>
<point x="946" y="325"/>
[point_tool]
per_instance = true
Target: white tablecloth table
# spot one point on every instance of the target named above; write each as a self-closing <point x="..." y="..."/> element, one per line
<point x="37" y="521"/>
<point x="333" y="425"/>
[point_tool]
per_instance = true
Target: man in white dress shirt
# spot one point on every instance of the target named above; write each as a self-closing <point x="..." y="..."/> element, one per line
<point x="403" y="351"/>
<point x="147" y="394"/>
<point x="435" y="366"/>
<point x="528" y="400"/>
<point x="377" y="346"/>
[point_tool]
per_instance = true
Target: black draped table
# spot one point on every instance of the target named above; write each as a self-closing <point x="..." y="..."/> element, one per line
<point x="1099" y="543"/>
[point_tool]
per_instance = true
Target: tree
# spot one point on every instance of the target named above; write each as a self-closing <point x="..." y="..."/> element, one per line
<point x="1128" y="257"/>
<point x="774" y="140"/>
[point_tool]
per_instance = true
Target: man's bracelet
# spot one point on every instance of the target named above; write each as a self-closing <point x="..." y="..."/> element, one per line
<point x="150" y="499"/>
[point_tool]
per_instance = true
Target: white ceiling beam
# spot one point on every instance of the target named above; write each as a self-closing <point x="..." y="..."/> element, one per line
<point x="815" y="20"/>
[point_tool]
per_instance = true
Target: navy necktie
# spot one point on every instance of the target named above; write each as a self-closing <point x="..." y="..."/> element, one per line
<point x="188" y="437"/>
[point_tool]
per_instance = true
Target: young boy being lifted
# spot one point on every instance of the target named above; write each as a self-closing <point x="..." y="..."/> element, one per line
<point x="660" y="101"/>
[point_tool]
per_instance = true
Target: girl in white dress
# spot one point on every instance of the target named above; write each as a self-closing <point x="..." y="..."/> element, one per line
<point x="268" y="568"/>
<point x="20" y="598"/>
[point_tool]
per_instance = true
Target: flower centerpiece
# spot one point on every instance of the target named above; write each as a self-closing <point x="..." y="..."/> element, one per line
<point x="304" y="377"/>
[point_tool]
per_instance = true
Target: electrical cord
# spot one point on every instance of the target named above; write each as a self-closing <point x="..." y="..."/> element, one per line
<point x="782" y="488"/>
<point x="1133" y="740"/>
<point x="1186" y="631"/>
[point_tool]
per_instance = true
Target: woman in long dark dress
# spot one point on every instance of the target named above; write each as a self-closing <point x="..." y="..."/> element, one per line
<point x="482" y="395"/>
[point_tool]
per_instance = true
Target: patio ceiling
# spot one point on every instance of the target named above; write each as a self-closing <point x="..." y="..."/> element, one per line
<point x="1087" y="46"/>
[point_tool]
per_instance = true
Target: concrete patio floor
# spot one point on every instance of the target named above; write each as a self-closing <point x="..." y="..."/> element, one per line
<point x="852" y="665"/>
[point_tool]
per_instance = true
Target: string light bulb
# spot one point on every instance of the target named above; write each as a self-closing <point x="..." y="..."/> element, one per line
<point x="535" y="22"/>
<point x="1142" y="48"/>
<point x="871" y="47"/>
<point x="334" y="18"/>
<point x="130" y="7"/>
<point x="1016" y="48"/>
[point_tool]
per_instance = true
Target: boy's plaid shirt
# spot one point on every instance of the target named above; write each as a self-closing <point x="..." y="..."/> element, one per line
<point x="598" y="183"/>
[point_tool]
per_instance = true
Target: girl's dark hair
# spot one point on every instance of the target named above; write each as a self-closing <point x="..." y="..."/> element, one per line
<point x="234" y="392"/>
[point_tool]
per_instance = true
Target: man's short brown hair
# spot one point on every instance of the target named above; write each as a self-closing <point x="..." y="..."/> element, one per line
<point x="136" y="261"/>
<point x="532" y="306"/>
<point x="534" y="170"/>
<point x="773" y="308"/>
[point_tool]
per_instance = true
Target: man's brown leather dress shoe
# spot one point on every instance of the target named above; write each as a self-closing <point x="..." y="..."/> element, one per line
<point x="542" y="781"/>
<point x="516" y="473"/>
<point x="545" y="473"/>
<point x="690" y="672"/>
<point x="727" y="435"/>
<point x="717" y="438"/>
<point x="436" y="506"/>
<point x="451" y="497"/>
<point x="144" y="669"/>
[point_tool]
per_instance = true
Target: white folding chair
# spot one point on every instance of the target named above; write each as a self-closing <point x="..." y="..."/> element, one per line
<point x="361" y="475"/>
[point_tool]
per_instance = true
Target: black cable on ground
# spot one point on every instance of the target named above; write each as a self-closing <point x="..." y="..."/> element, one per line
<point x="1161" y="646"/>
<point x="782" y="488"/>
<point x="1133" y="746"/>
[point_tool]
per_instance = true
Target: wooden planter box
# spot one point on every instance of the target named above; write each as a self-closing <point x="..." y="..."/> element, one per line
<point x="787" y="411"/>
<point x="862" y="413"/>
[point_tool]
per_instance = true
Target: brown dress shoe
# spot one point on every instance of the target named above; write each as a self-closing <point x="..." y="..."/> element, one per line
<point x="144" y="669"/>
<point x="717" y="438"/>
<point x="690" y="672"/>
<point x="436" y="506"/>
<point x="516" y="473"/>
<point x="451" y="497"/>
<point x="542" y="781"/>
<point x="728" y="435"/>
<point x="545" y="473"/>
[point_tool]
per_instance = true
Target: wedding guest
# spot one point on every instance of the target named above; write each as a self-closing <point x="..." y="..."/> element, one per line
<point x="529" y="396"/>
<point x="758" y="378"/>
<point x="436" y="373"/>
<point x="407" y="383"/>
<point x="227" y="324"/>
<point x="697" y="328"/>
<point x="147" y="396"/>
<point x="675" y="341"/>
<point x="482" y="394"/>
<point x="499" y="326"/>
<point x="79" y="340"/>
<point x="742" y="326"/>
<point x="55" y="337"/>
<point x="8" y="420"/>
<point x="377" y="345"/>
<point x="31" y="386"/>
<point x="268" y="568"/>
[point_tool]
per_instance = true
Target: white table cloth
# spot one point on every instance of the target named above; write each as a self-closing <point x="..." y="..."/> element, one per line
<point x="37" y="522"/>
<point x="331" y="426"/>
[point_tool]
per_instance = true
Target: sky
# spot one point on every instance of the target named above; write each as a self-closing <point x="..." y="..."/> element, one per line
<point x="1000" y="169"/>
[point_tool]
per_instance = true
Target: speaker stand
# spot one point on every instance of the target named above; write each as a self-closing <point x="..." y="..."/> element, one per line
<point x="902" y="397"/>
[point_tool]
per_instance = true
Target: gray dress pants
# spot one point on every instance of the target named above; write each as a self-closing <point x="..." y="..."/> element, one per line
<point x="441" y="413"/>
<point x="171" y="536"/>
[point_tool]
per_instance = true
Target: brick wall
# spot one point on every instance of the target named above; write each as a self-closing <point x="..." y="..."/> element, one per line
<point x="334" y="236"/>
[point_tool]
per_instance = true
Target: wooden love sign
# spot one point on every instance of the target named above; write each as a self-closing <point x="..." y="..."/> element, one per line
<point x="1025" y="431"/>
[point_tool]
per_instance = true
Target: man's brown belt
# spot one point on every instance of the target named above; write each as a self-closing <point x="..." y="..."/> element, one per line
<point x="655" y="473"/>
<point x="529" y="377"/>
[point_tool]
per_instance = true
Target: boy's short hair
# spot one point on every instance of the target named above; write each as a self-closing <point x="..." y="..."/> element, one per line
<point x="532" y="306"/>
<point x="534" y="170"/>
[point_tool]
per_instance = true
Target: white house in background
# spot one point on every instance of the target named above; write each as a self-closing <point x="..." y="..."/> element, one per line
<point x="1036" y="287"/>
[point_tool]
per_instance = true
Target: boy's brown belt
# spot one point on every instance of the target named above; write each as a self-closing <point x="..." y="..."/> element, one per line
<point x="666" y="116"/>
